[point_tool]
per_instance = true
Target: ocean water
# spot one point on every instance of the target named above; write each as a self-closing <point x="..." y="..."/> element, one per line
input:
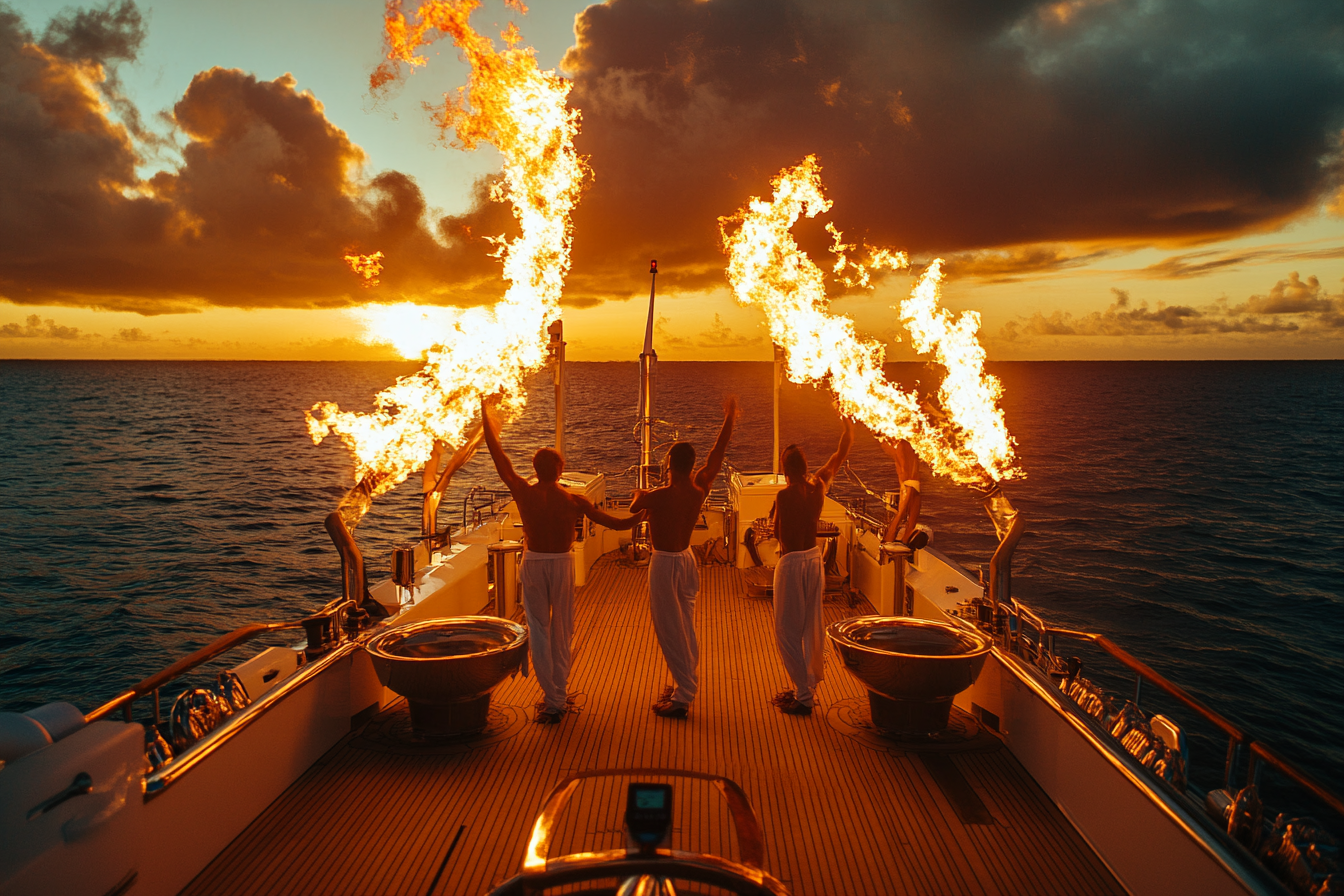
<point x="1193" y="512"/>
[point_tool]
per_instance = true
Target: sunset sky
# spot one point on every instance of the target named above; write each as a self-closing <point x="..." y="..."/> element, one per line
<point x="1105" y="178"/>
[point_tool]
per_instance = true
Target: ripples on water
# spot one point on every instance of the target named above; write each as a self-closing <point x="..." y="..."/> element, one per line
<point x="1192" y="511"/>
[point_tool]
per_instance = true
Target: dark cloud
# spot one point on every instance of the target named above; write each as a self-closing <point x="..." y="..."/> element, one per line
<point x="1293" y="306"/>
<point x="134" y="334"/>
<point x="267" y="198"/>
<point x="105" y="37"/>
<point x="992" y="133"/>
<point x="951" y="126"/>
<point x="37" y="328"/>
<point x="1012" y="264"/>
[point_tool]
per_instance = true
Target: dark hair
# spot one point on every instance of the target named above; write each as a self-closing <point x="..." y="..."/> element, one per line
<point x="681" y="457"/>
<point x="794" y="462"/>
<point x="548" y="463"/>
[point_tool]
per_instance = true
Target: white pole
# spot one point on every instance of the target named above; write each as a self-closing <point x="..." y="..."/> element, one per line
<point x="646" y="359"/>
<point x="557" y="331"/>
<point x="779" y="374"/>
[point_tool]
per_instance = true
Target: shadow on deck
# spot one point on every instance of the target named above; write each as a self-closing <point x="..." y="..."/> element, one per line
<point x="843" y="810"/>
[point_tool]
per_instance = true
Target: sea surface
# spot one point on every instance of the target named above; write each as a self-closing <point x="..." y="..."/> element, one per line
<point x="1193" y="512"/>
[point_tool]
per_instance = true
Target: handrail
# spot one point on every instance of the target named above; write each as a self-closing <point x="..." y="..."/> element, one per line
<point x="1171" y="688"/>
<point x="1260" y="751"/>
<point x="187" y="663"/>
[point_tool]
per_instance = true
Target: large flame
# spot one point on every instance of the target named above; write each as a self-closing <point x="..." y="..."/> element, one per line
<point x="767" y="269"/>
<point x="367" y="267"/>
<point x="510" y="103"/>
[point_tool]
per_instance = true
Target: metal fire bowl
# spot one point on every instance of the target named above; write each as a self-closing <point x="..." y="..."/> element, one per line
<point x="910" y="659"/>
<point x="451" y="660"/>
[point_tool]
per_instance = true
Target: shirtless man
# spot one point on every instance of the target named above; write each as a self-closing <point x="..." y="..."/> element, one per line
<point x="907" y="509"/>
<point x="547" y="573"/>
<point x="674" y="581"/>
<point x="800" y="579"/>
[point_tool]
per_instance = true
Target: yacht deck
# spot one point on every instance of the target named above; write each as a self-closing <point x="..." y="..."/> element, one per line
<point x="843" y="810"/>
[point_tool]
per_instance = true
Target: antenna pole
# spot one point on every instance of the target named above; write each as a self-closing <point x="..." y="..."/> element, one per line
<point x="779" y="375"/>
<point x="646" y="360"/>
<point x="557" y="331"/>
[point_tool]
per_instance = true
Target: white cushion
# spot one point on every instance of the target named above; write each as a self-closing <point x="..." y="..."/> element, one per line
<point x="60" y="719"/>
<point x="20" y="735"/>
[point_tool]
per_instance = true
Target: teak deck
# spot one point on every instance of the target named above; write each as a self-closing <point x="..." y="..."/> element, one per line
<point x="843" y="810"/>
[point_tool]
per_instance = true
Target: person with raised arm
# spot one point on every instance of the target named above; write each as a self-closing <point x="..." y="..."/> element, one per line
<point x="547" y="572"/>
<point x="907" y="508"/>
<point x="800" y="580"/>
<point x="674" y="581"/>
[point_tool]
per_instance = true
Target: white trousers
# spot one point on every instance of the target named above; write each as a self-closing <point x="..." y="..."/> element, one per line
<point x="548" y="600"/>
<point x="799" y="583"/>
<point x="674" y="582"/>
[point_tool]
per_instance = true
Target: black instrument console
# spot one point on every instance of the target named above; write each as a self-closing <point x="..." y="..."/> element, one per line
<point x="648" y="814"/>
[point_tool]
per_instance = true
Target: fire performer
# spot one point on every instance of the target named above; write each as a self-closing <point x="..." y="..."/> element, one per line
<point x="907" y="508"/>
<point x="547" y="573"/>
<point x="674" y="581"/>
<point x="800" y="579"/>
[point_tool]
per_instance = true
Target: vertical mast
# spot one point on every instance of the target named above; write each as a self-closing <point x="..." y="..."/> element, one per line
<point x="646" y="359"/>
<point x="779" y="373"/>
<point x="557" y="331"/>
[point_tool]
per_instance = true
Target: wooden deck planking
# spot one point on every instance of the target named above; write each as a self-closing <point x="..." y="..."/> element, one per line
<point x="839" y="816"/>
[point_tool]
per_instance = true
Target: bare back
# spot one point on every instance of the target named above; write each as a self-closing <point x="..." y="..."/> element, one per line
<point x="799" y="504"/>
<point x="673" y="512"/>
<point x="549" y="513"/>
<point x="674" y="509"/>
<point x="797" y="510"/>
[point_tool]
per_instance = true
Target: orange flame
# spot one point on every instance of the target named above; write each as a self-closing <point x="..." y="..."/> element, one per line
<point x="366" y="266"/>
<point x="767" y="269"/>
<point x="510" y="103"/>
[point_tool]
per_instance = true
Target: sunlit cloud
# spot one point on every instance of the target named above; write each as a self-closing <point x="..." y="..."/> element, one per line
<point x="1293" y="308"/>
<point x="37" y="328"/>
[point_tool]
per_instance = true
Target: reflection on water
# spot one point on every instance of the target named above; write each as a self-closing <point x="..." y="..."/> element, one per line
<point x="1189" y="510"/>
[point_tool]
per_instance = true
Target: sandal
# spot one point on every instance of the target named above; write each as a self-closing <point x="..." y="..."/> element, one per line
<point x="794" y="708"/>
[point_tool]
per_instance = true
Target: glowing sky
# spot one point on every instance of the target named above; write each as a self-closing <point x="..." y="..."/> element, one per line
<point x="1106" y="179"/>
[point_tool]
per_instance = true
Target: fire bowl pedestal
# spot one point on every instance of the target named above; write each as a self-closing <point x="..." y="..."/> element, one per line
<point x="912" y="668"/>
<point x="446" y="669"/>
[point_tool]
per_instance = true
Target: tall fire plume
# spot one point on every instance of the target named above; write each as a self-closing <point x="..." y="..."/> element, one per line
<point x="510" y="103"/>
<point x="966" y="438"/>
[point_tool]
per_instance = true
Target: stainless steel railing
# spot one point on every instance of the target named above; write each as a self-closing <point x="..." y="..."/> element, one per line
<point x="151" y="685"/>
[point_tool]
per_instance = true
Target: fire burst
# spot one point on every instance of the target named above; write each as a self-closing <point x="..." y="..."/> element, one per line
<point x="767" y="269"/>
<point x="366" y="266"/>
<point x="510" y="103"/>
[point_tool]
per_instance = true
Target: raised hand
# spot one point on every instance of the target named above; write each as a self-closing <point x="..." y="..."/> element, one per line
<point x="730" y="408"/>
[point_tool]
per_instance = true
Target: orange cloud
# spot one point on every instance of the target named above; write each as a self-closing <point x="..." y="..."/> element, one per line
<point x="268" y="198"/>
<point x="1292" y="306"/>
